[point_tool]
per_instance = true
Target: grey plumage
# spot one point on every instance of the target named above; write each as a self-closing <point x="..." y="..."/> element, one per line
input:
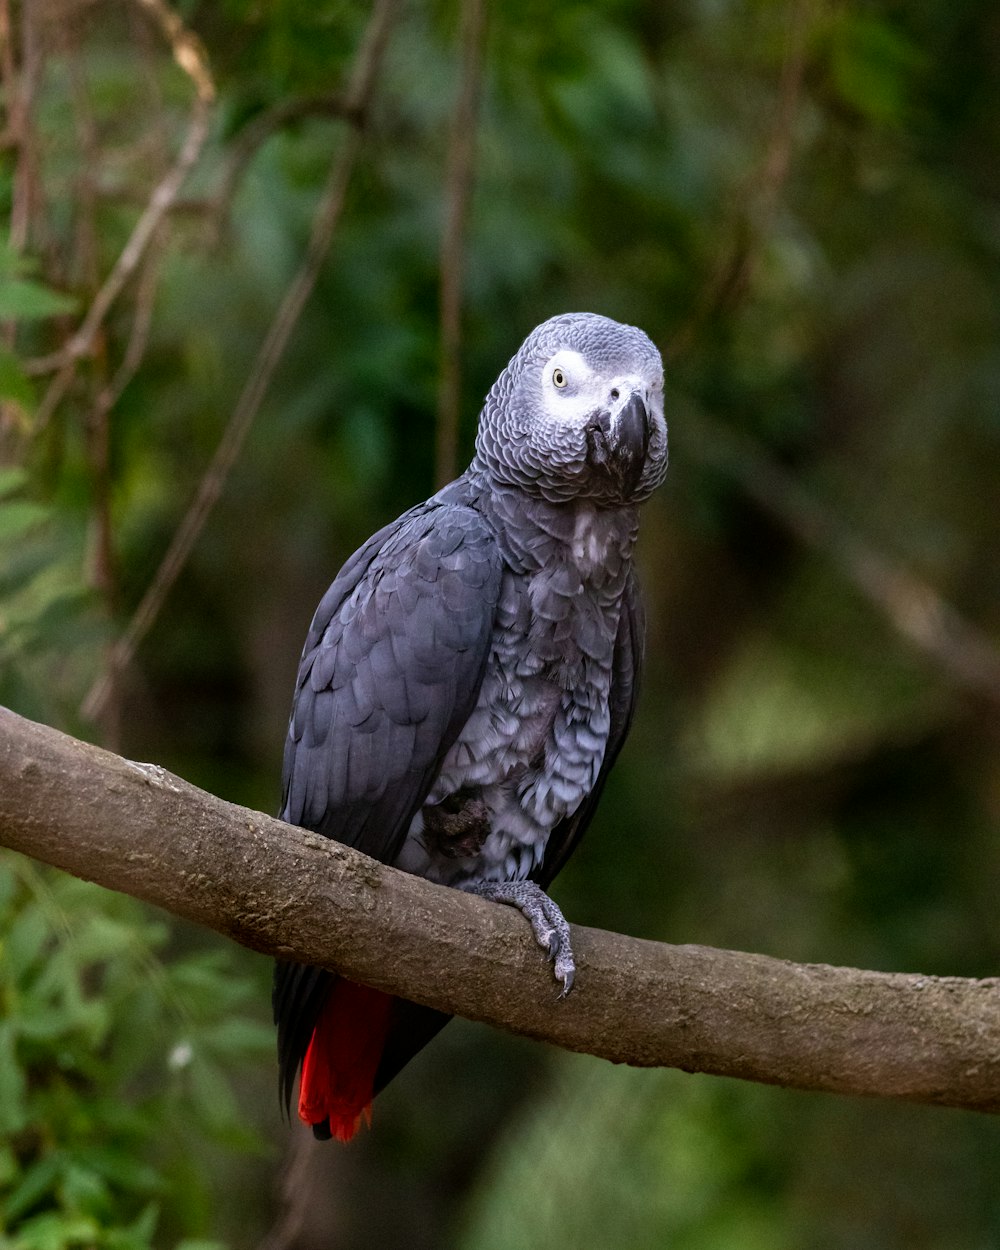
<point x="470" y="676"/>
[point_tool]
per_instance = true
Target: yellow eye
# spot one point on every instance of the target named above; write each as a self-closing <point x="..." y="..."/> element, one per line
<point x="558" y="378"/>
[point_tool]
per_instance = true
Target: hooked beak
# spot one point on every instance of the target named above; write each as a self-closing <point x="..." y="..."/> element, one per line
<point x="617" y="443"/>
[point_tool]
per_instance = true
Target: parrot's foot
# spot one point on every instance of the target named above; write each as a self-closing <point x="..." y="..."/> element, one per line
<point x="547" y="922"/>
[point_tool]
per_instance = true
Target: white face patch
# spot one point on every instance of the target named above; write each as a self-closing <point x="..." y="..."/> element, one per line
<point x="569" y="387"/>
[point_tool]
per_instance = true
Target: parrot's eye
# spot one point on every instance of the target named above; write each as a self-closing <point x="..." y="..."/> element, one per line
<point x="558" y="378"/>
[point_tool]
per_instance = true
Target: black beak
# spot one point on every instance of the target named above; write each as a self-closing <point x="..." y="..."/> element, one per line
<point x="619" y="449"/>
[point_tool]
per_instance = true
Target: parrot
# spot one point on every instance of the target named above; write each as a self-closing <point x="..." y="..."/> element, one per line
<point x="469" y="679"/>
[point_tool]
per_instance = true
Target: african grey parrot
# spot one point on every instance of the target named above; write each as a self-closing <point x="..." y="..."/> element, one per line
<point x="469" y="679"/>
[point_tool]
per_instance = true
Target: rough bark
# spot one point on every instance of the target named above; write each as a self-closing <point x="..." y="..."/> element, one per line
<point x="284" y="891"/>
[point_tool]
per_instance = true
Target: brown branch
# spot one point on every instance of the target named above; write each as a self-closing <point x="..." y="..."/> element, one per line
<point x="19" y="83"/>
<point x="913" y="608"/>
<point x="458" y="193"/>
<point x="149" y="274"/>
<point x="84" y="266"/>
<point x="190" y="56"/>
<point x="8" y="75"/>
<point x="252" y="137"/>
<point x="13" y="131"/>
<point x="107" y="393"/>
<point x="212" y="483"/>
<point x="22" y="86"/>
<point x="138" y="338"/>
<point x="286" y="892"/>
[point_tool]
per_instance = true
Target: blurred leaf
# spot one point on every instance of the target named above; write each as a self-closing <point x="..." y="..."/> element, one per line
<point x="8" y="893"/>
<point x="37" y="1180"/>
<point x="140" y="1233"/>
<point x="239" y="1036"/>
<point x="83" y="1190"/>
<point x="872" y="64"/>
<point x="18" y="518"/>
<point x="12" y="478"/>
<point x="13" y="1111"/>
<point x="56" y="1232"/>
<point x="212" y="1094"/>
<point x="24" y="300"/>
<point x="24" y="942"/>
<point x="119" y="1167"/>
<point x="15" y="386"/>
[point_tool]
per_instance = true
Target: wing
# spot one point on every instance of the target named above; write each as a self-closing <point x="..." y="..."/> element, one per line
<point x="390" y="673"/>
<point x="625" y="674"/>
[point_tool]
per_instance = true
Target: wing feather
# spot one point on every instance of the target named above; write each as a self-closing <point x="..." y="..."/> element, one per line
<point x="391" y="670"/>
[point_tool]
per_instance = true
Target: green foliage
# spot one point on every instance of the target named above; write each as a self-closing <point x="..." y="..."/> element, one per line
<point x="22" y="300"/>
<point x="44" y="606"/>
<point x="23" y="297"/>
<point x="873" y="65"/>
<point x="698" y="1163"/>
<point x="115" y="1063"/>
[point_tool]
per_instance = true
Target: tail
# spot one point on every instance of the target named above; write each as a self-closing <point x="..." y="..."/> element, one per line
<point x="338" y="1071"/>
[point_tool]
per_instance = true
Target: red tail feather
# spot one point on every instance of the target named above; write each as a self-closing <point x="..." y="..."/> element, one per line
<point x="338" y="1072"/>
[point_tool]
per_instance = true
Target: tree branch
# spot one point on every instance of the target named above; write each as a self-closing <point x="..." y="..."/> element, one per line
<point x="190" y="56"/>
<point x="758" y="199"/>
<point x="252" y="137"/>
<point x="210" y="488"/>
<point x="284" y="891"/>
<point x="458" y="196"/>
<point x="961" y="651"/>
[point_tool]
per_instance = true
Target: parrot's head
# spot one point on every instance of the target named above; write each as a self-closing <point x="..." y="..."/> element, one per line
<point x="578" y="413"/>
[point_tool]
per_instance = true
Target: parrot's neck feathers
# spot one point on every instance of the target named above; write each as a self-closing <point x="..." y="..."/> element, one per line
<point x="535" y="533"/>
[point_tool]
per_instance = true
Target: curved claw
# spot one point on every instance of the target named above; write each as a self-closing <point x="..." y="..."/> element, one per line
<point x="547" y="922"/>
<point x="565" y="971"/>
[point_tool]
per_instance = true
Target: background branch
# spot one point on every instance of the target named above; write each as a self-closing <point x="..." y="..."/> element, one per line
<point x="757" y="202"/>
<point x="458" y="194"/>
<point x="210" y="489"/>
<point x="190" y="56"/>
<point x="252" y="137"/>
<point x="284" y="891"/>
<point x="914" y="609"/>
<point x="21" y="84"/>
